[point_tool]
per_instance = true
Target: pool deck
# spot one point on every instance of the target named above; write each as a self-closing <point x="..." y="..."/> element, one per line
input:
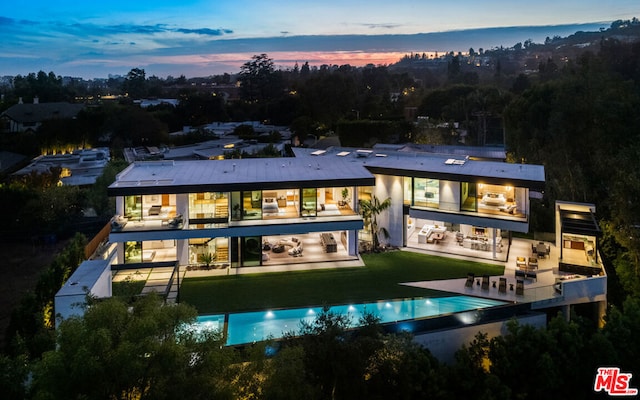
<point x="534" y="290"/>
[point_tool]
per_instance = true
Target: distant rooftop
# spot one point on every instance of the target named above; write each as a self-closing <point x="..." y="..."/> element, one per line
<point x="85" y="166"/>
<point x="495" y="153"/>
<point x="30" y="113"/>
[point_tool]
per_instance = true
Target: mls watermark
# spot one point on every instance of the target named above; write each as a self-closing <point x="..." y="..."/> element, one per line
<point x="614" y="382"/>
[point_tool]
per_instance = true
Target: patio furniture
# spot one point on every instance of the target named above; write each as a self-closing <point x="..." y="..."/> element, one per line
<point x="521" y="262"/>
<point x="328" y="242"/>
<point x="541" y="250"/>
<point x="534" y="249"/>
<point x="533" y="262"/>
<point x="529" y="273"/>
<point x="502" y="286"/>
<point x="118" y="222"/>
<point x="470" y="277"/>
<point x="485" y="282"/>
<point x="519" y="288"/>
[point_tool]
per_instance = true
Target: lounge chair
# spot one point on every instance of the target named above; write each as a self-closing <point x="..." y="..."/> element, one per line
<point x="519" y="287"/>
<point x="531" y="274"/>
<point x="533" y="262"/>
<point x="470" y="278"/>
<point x="502" y="286"/>
<point x="521" y="262"/>
<point x="485" y="282"/>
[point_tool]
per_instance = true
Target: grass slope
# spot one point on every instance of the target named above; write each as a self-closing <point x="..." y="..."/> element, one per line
<point x="379" y="280"/>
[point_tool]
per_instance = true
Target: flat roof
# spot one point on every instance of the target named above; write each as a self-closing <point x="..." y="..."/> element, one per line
<point x="83" y="278"/>
<point x="390" y="161"/>
<point x="579" y="222"/>
<point x="153" y="177"/>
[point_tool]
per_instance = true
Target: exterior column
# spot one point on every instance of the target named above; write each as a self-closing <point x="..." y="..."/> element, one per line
<point x="352" y="243"/>
<point x="182" y="251"/>
<point x="120" y="253"/>
<point x="495" y="232"/>
<point x="119" y="205"/>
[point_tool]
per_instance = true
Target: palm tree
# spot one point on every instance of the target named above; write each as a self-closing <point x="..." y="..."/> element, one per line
<point x="370" y="209"/>
<point x="207" y="259"/>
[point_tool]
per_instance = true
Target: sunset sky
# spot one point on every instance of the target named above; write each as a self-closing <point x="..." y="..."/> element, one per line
<point x="205" y="37"/>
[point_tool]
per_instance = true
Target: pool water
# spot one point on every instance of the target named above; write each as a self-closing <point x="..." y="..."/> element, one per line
<point x="252" y="327"/>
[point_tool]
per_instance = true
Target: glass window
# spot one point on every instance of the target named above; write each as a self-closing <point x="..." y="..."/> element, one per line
<point x="236" y="206"/>
<point x="426" y="192"/>
<point x="208" y="205"/>
<point x="282" y="203"/>
<point x="133" y="207"/>
<point x="309" y="202"/>
<point x="251" y="251"/>
<point x="252" y="204"/>
<point x="407" y="188"/>
<point x="468" y="196"/>
<point x="133" y="252"/>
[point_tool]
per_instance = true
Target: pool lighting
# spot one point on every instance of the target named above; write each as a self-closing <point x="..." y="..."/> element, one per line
<point x="269" y="314"/>
<point x="311" y="312"/>
<point x="388" y="305"/>
<point x="352" y="308"/>
<point x="468" y="318"/>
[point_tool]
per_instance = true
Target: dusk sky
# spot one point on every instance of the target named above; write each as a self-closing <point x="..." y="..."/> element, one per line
<point x="205" y="37"/>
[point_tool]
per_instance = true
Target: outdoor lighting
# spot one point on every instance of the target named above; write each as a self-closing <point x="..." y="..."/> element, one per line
<point x="269" y="314"/>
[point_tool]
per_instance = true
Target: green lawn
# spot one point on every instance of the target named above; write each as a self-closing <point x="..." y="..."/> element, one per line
<point x="379" y="280"/>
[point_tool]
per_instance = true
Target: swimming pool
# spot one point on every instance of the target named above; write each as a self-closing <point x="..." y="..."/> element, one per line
<point x="252" y="327"/>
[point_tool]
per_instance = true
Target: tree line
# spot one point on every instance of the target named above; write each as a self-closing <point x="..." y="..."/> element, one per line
<point x="148" y="350"/>
<point x="580" y="119"/>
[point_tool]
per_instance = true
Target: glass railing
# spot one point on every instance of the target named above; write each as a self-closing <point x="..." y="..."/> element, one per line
<point x="491" y="212"/>
<point x="123" y="224"/>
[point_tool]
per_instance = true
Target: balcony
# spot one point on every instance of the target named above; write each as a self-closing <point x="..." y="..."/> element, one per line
<point x="120" y="223"/>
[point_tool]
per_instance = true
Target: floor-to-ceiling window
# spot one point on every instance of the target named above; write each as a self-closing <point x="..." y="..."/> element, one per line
<point x="426" y="192"/>
<point x="309" y="202"/>
<point x="365" y="239"/>
<point x="407" y="185"/>
<point x="209" y="251"/>
<point x="468" y="196"/>
<point x="209" y="205"/>
<point x="132" y="252"/>
<point x="133" y="207"/>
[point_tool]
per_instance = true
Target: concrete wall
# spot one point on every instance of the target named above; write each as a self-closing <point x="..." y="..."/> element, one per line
<point x="392" y="219"/>
<point x="444" y="344"/>
<point x="91" y="277"/>
<point x="449" y="195"/>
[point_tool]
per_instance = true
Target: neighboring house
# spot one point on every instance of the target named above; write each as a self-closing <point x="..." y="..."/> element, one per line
<point x="82" y="167"/>
<point x="10" y="161"/>
<point x="28" y="117"/>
